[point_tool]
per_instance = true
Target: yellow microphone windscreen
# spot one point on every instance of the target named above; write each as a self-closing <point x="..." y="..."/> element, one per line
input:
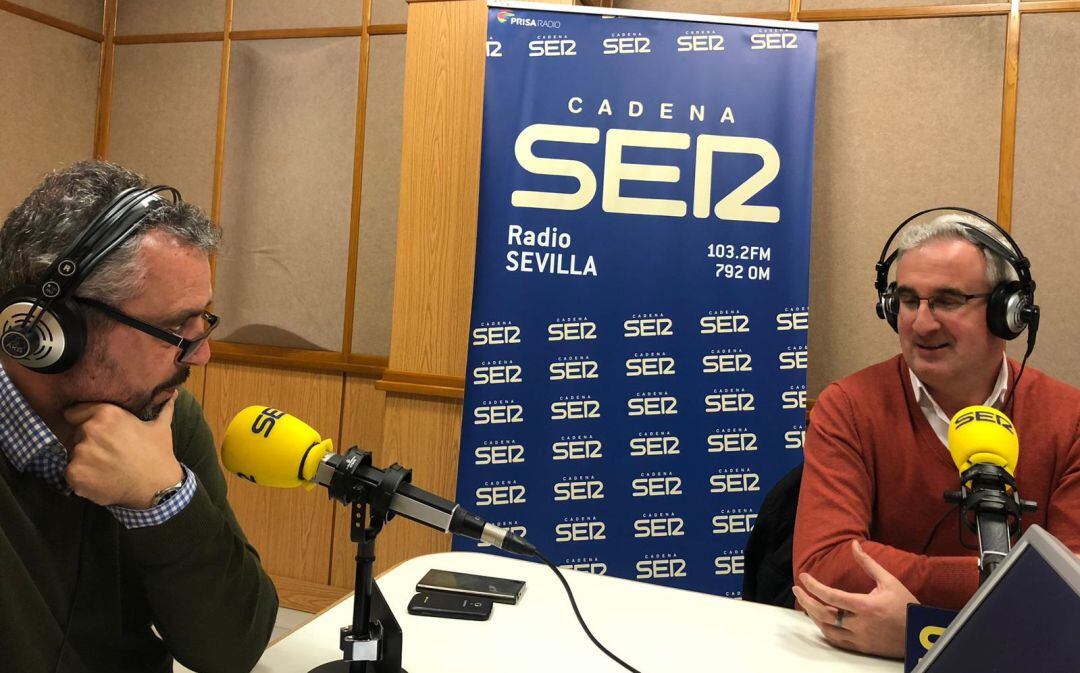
<point x="271" y="448"/>
<point x="981" y="434"/>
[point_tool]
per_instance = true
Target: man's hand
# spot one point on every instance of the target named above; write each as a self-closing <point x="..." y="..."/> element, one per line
<point x="873" y="623"/>
<point x="117" y="459"/>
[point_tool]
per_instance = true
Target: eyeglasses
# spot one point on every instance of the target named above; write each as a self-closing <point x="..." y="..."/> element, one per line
<point x="187" y="346"/>
<point x="942" y="302"/>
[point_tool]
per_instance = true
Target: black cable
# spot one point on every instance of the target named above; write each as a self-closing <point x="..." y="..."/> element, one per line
<point x="573" y="604"/>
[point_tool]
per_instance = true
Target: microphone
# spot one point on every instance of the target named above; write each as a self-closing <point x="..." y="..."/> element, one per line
<point x="272" y="448"/>
<point x="985" y="447"/>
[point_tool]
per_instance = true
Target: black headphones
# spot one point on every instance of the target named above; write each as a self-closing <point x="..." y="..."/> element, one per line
<point x="1010" y="308"/>
<point x="41" y="328"/>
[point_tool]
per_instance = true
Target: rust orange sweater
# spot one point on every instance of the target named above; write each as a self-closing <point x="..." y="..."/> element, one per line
<point x="875" y="471"/>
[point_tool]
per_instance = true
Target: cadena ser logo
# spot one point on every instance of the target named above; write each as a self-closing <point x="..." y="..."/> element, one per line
<point x="580" y="529"/>
<point x="500" y="493"/>
<point x="589" y="564"/>
<point x="660" y="566"/>
<point x="504" y="16"/>
<point x="654" y="443"/>
<point x="578" y="487"/>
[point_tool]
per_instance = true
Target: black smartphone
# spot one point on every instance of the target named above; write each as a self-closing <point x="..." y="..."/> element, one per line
<point x="497" y="589"/>
<point x="453" y="606"/>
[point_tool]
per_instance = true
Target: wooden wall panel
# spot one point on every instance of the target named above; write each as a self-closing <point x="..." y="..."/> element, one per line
<point x="908" y="117"/>
<point x="164" y="114"/>
<point x="287" y="191"/>
<point x="421" y="433"/>
<point x="290" y="528"/>
<point x="705" y="6"/>
<point x="361" y="425"/>
<point x="389" y="11"/>
<point x="440" y="185"/>
<point x="853" y="4"/>
<point x="1045" y="196"/>
<point x="85" y="13"/>
<point x="261" y="14"/>
<point x="379" y="197"/>
<point x="148" y="17"/>
<point x="48" y="96"/>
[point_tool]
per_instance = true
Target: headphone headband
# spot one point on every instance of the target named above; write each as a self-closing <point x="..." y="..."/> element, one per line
<point x="42" y="329"/>
<point x="1011" y="307"/>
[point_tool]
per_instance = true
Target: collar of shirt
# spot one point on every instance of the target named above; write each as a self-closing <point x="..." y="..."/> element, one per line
<point x="939" y="422"/>
<point x="23" y="435"/>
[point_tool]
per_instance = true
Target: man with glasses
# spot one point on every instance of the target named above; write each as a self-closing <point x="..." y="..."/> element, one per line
<point x="118" y="547"/>
<point x="873" y="531"/>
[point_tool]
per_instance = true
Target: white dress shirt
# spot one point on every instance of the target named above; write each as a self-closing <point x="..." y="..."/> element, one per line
<point x="937" y="418"/>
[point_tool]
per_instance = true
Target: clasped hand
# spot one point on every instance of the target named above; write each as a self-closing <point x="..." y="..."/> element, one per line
<point x="116" y="458"/>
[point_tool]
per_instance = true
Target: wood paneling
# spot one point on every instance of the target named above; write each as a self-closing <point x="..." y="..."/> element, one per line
<point x="907" y="118"/>
<point x="436" y="247"/>
<point x="105" y="80"/>
<point x="85" y="14"/>
<point x="290" y="528"/>
<point x="440" y="180"/>
<point x="362" y="426"/>
<point x="142" y="17"/>
<point x="49" y="95"/>
<point x="307" y="596"/>
<point x="379" y="197"/>
<point x="164" y="119"/>
<point x="1045" y="197"/>
<point x="423" y="434"/>
<point x="1007" y="161"/>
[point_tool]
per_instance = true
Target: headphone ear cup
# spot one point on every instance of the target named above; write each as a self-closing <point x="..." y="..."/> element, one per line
<point x="56" y="341"/>
<point x="1003" y="310"/>
<point x="888" y="307"/>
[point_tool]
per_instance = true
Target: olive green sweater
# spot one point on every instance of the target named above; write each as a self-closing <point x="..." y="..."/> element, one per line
<point x="73" y="578"/>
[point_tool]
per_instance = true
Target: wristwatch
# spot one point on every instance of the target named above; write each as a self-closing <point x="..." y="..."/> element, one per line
<point x="168" y="492"/>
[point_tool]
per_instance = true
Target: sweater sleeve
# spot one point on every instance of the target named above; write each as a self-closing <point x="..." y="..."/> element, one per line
<point x="836" y="506"/>
<point x="1063" y="512"/>
<point x="211" y="600"/>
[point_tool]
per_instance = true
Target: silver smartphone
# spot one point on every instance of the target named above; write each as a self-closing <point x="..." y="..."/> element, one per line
<point x="497" y="589"/>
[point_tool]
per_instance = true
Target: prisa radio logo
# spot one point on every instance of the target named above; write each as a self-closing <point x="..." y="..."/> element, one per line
<point x="506" y="16"/>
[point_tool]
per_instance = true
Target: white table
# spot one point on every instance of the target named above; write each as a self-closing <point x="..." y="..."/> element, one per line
<point x="653" y="628"/>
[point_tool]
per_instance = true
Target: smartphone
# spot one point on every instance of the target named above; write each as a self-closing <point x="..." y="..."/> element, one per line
<point x="495" y="588"/>
<point x="453" y="606"/>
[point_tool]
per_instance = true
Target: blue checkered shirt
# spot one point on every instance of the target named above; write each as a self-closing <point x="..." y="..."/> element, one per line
<point x="31" y="447"/>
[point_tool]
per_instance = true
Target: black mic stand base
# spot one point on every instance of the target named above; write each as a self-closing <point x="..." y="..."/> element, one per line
<point x="388" y="642"/>
<point x="372" y="643"/>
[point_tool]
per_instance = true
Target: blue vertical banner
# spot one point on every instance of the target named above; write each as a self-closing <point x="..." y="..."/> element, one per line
<point x="637" y="363"/>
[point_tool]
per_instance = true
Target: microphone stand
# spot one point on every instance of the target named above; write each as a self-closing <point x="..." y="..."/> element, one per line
<point x="372" y="643"/>
<point x="991" y="499"/>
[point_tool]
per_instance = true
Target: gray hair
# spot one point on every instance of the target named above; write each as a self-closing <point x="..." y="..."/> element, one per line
<point x="64" y="204"/>
<point x="950" y="225"/>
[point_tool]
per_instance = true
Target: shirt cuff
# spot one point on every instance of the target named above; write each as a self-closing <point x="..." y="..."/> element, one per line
<point x="155" y="516"/>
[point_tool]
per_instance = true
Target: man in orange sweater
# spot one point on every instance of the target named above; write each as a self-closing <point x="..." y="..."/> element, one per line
<point x="873" y="532"/>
